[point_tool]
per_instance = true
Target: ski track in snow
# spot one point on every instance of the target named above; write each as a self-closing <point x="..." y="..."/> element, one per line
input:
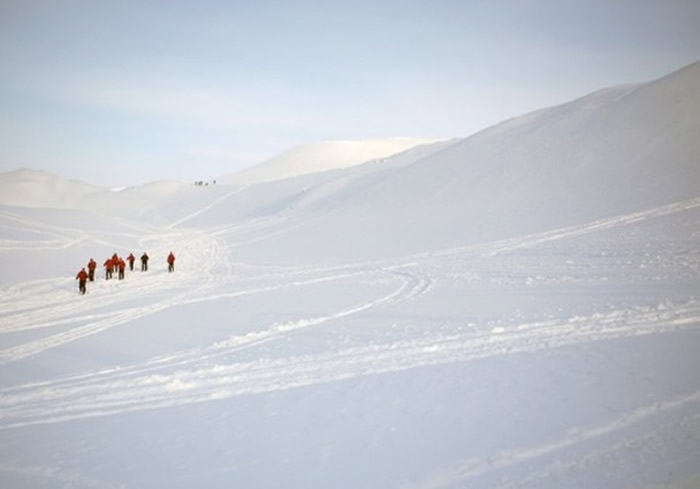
<point x="59" y="237"/>
<point x="512" y="244"/>
<point x="101" y="395"/>
<point x="194" y="375"/>
<point x="207" y="207"/>
<point x="409" y="288"/>
<point x="30" y="309"/>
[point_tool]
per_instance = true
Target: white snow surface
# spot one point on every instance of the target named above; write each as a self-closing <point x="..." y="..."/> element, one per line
<point x="34" y="188"/>
<point x="322" y="156"/>
<point x="518" y="309"/>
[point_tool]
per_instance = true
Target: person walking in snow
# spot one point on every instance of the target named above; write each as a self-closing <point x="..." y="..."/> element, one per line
<point x="82" y="280"/>
<point x="92" y="264"/>
<point x="171" y="262"/>
<point x="109" y="267"/>
<point x="131" y="259"/>
<point x="144" y="262"/>
<point x="121" y="264"/>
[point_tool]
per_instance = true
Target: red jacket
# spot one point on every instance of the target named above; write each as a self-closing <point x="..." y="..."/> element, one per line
<point x="171" y="258"/>
<point x="82" y="275"/>
<point x="121" y="264"/>
<point x="109" y="263"/>
<point x="91" y="264"/>
<point x="131" y="258"/>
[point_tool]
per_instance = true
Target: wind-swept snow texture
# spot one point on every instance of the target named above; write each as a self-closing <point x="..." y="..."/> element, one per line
<point x="518" y="309"/>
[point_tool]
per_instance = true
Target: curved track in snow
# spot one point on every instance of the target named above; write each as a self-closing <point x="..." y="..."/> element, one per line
<point x="203" y="374"/>
<point x="149" y="387"/>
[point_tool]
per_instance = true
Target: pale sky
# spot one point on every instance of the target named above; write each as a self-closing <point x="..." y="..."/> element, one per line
<point x="126" y="92"/>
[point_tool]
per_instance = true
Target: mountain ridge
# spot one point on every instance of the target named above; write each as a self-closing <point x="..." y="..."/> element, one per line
<point x="322" y="156"/>
<point x="615" y="151"/>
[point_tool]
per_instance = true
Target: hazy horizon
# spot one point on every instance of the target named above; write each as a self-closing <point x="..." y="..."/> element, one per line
<point x="149" y="92"/>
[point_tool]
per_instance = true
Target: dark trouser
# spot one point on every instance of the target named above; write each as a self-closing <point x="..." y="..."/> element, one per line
<point x="171" y="267"/>
<point x="91" y="275"/>
<point x="121" y="273"/>
<point x="81" y="287"/>
<point x="131" y="266"/>
<point x="144" y="266"/>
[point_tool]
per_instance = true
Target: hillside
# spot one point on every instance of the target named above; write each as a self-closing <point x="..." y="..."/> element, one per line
<point x="321" y="156"/>
<point x="615" y="151"/>
<point x="32" y="188"/>
<point x="514" y="310"/>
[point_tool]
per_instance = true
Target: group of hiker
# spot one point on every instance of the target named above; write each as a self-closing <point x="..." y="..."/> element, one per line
<point x="116" y="264"/>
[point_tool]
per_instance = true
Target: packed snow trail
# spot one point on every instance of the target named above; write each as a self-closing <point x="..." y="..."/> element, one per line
<point x="138" y="389"/>
<point x="206" y="276"/>
<point x="253" y="357"/>
<point x="38" y="305"/>
<point x="206" y="208"/>
<point x="409" y="287"/>
<point x="58" y="237"/>
<point x="508" y="245"/>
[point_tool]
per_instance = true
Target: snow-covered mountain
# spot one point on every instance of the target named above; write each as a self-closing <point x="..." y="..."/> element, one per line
<point x="517" y="309"/>
<point x="615" y="151"/>
<point x="159" y="202"/>
<point x="321" y="156"/>
<point x="32" y="188"/>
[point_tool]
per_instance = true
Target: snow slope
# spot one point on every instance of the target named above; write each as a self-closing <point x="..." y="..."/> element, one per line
<point x="32" y="188"/>
<point x="613" y="152"/>
<point x="321" y="156"/>
<point x="157" y="203"/>
<point x="293" y="348"/>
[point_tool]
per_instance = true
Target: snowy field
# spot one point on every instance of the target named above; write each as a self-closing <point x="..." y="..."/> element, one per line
<point x="298" y="345"/>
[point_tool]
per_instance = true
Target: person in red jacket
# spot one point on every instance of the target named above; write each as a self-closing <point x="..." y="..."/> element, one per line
<point x="92" y="264"/>
<point x="131" y="259"/>
<point x="121" y="264"/>
<point x="171" y="262"/>
<point x="82" y="279"/>
<point x="109" y="266"/>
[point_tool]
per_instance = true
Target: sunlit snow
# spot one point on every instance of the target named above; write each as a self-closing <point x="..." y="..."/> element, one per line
<point x="516" y="309"/>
